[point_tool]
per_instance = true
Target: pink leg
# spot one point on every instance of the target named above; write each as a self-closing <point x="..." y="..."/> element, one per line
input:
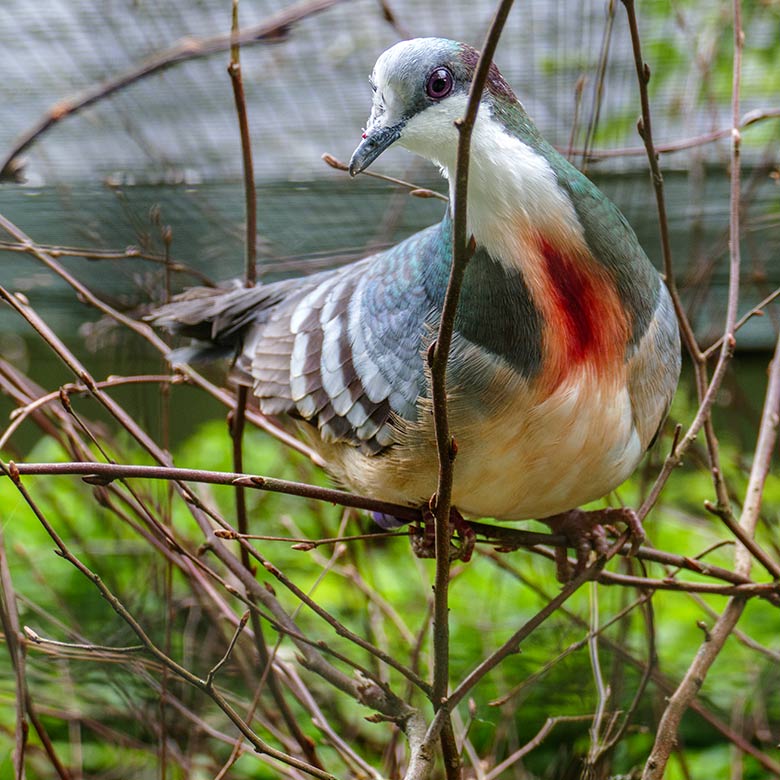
<point x="586" y="532"/>
<point x="424" y="544"/>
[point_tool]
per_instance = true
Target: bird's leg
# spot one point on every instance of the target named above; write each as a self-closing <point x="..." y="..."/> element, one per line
<point x="586" y="532"/>
<point x="424" y="543"/>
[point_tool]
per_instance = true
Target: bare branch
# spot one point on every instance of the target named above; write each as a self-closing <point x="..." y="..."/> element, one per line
<point x="270" y="31"/>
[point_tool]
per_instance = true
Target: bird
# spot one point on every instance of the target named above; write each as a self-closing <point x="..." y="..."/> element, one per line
<point x="565" y="353"/>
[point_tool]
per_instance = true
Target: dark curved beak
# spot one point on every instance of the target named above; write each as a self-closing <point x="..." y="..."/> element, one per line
<point x="373" y="144"/>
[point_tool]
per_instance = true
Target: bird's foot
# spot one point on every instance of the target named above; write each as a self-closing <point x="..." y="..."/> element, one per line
<point x="424" y="542"/>
<point x="586" y="532"/>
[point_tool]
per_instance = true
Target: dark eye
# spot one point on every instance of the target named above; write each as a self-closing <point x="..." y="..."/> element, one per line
<point x="439" y="84"/>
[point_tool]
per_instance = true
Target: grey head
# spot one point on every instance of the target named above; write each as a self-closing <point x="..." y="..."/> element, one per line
<point x="420" y="88"/>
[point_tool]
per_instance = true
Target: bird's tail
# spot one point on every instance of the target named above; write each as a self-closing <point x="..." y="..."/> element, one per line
<point x="216" y="318"/>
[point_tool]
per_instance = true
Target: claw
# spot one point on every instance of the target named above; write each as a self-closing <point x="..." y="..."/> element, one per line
<point x="424" y="542"/>
<point x="586" y="533"/>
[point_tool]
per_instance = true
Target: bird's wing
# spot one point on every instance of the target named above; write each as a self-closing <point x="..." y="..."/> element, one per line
<point x="346" y="355"/>
<point x="654" y="370"/>
<point x="340" y="349"/>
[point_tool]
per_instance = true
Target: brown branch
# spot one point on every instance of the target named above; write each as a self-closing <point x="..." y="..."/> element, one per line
<point x="679" y="702"/>
<point x="212" y="673"/>
<point x="237" y="416"/>
<point x="598" y="94"/>
<point x="750" y="118"/>
<point x="756" y="311"/>
<point x="420" y="765"/>
<point x="534" y="743"/>
<point x="462" y="250"/>
<point x="645" y="130"/>
<point x="104" y="473"/>
<point x="260" y="745"/>
<point x="22" y="412"/>
<point x="270" y="31"/>
<point x="237" y="82"/>
<point x="420" y="192"/>
<point x="99" y="255"/>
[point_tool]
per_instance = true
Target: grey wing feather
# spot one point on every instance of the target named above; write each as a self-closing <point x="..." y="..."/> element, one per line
<point x="339" y="349"/>
<point x="654" y="370"/>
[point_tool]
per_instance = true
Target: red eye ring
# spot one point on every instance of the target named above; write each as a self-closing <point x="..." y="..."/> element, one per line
<point x="439" y="84"/>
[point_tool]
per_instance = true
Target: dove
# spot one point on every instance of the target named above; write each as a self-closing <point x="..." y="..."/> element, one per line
<point x="565" y="353"/>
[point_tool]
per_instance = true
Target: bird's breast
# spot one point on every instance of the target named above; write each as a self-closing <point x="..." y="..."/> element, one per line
<point x="585" y="326"/>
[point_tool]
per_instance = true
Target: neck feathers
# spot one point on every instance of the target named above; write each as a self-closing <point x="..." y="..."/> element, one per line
<point x="519" y="213"/>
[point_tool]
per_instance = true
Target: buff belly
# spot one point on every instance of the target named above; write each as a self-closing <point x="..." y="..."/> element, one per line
<point x="521" y="458"/>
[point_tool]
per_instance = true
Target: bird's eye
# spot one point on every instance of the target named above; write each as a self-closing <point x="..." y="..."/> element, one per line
<point x="439" y="84"/>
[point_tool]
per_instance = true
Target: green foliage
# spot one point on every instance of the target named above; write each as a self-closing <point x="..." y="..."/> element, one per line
<point x="381" y="591"/>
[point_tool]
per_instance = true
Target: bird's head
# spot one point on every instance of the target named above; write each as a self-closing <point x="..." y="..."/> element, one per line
<point x="420" y="88"/>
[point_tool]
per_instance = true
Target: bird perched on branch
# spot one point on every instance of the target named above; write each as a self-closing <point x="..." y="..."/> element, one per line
<point x="565" y="353"/>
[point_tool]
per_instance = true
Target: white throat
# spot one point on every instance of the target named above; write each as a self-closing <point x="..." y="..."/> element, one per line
<point x="513" y="192"/>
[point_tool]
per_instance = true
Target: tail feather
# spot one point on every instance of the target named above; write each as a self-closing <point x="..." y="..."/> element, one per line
<point x="215" y="315"/>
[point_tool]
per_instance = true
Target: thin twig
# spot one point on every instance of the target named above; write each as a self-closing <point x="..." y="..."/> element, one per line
<point x="602" y="691"/>
<point x="269" y="31"/>
<point x="680" y="701"/>
<point x="34" y="636"/>
<point x="756" y="311"/>
<point x="750" y="118"/>
<point x="97" y="255"/>
<point x="534" y="743"/>
<point x="646" y="132"/>
<point x="260" y="745"/>
<point x="462" y="250"/>
<point x="212" y="673"/>
<point x="414" y="189"/>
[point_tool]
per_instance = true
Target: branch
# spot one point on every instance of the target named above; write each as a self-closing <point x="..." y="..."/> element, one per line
<point x="507" y="539"/>
<point x="237" y="415"/>
<point x="419" y="767"/>
<point x="202" y="684"/>
<point x="446" y="446"/>
<point x="750" y="118"/>
<point x="666" y="736"/>
<point x="645" y="131"/>
<point x="270" y="31"/>
<point x="419" y="192"/>
<point x="98" y="255"/>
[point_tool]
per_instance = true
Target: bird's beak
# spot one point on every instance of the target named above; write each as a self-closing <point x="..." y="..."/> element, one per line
<point x="374" y="142"/>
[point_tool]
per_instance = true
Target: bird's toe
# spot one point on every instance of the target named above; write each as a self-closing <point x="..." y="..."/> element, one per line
<point x="424" y="541"/>
<point x="586" y="532"/>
